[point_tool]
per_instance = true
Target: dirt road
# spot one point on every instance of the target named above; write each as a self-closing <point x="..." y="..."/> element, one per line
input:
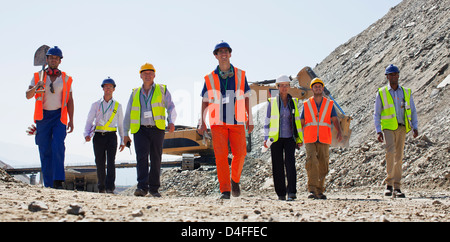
<point x="16" y="201"/>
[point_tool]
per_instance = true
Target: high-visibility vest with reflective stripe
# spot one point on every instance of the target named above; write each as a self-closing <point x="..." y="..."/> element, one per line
<point x="212" y="82"/>
<point x="274" y="125"/>
<point x="158" y="108"/>
<point x="106" y="126"/>
<point x="388" y="115"/>
<point x="38" y="107"/>
<point x="317" y="123"/>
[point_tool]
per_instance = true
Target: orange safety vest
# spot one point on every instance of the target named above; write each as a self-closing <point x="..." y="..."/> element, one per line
<point x="38" y="108"/>
<point x="215" y="96"/>
<point x="317" y="124"/>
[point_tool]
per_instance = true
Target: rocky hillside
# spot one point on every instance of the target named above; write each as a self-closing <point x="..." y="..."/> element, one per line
<point x="415" y="36"/>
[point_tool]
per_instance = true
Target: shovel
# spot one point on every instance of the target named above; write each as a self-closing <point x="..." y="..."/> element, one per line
<point x="40" y="59"/>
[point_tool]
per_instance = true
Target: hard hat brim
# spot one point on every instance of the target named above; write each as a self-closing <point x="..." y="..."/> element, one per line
<point x="147" y="70"/>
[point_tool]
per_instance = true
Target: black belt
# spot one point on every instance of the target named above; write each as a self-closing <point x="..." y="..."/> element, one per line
<point x="149" y="126"/>
<point x="399" y="124"/>
<point x="105" y="133"/>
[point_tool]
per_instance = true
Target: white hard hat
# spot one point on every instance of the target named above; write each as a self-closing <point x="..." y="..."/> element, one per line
<point x="282" y="78"/>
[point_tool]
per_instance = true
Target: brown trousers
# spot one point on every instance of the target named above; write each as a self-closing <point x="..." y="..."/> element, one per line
<point x="317" y="159"/>
<point x="395" y="143"/>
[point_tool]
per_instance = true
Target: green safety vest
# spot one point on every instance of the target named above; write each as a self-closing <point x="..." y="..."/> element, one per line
<point x="388" y="115"/>
<point x="274" y="125"/>
<point x="158" y="108"/>
<point x="106" y="126"/>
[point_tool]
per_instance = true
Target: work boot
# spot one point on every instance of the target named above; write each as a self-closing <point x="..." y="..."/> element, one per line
<point x="235" y="189"/>
<point x="399" y="194"/>
<point x="321" y="196"/>
<point x="291" y="197"/>
<point x="58" y="184"/>
<point x="140" y="192"/>
<point x="388" y="191"/>
<point x="225" y="195"/>
<point x="312" y="195"/>
<point x="155" y="194"/>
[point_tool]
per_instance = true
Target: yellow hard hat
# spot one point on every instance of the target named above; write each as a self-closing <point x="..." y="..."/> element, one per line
<point x="146" y="67"/>
<point x="316" y="80"/>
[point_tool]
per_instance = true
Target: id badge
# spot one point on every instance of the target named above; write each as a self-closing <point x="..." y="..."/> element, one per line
<point x="148" y="114"/>
<point x="225" y="99"/>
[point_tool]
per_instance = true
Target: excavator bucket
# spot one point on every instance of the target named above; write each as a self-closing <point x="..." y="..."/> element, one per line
<point x="344" y="121"/>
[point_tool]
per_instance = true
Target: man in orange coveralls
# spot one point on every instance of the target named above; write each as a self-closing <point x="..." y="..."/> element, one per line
<point x="226" y="101"/>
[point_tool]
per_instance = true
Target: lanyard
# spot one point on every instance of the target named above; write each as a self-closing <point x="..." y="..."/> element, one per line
<point x="226" y="85"/>
<point x="103" y="110"/>
<point x="149" y="96"/>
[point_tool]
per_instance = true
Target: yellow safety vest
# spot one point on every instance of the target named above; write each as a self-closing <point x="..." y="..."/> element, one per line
<point x="106" y="126"/>
<point x="388" y="114"/>
<point x="158" y="108"/>
<point x="274" y="125"/>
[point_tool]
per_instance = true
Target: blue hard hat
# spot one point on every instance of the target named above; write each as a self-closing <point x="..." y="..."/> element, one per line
<point x="392" y="69"/>
<point x="109" y="80"/>
<point x="55" y="51"/>
<point x="221" y="45"/>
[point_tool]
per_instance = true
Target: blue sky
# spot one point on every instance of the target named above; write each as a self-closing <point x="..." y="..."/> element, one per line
<point x="114" y="38"/>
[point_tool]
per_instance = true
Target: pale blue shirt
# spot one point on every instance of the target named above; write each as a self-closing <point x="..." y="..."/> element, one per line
<point x="399" y="102"/>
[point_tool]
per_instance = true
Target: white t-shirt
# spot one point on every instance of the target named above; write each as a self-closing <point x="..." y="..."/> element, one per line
<point x="52" y="101"/>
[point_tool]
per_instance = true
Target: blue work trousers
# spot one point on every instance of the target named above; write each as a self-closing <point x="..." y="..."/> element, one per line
<point x="50" y="136"/>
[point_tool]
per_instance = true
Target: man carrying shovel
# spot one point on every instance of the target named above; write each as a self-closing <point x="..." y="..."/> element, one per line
<point x="52" y="91"/>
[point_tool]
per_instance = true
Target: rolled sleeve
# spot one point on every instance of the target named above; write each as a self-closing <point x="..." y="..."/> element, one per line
<point x="127" y="119"/>
<point x="170" y="106"/>
<point x="377" y="113"/>
<point x="267" y="121"/>
<point x="414" y="119"/>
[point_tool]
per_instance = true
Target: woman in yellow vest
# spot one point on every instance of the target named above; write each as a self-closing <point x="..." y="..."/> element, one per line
<point x="395" y="115"/>
<point x="145" y="117"/>
<point x="284" y="129"/>
<point x="104" y="119"/>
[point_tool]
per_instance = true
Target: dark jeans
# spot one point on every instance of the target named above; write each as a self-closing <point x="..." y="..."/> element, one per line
<point x="105" y="148"/>
<point x="283" y="155"/>
<point x="148" y="142"/>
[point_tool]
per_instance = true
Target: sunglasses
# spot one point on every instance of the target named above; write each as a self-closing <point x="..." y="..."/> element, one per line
<point x="51" y="87"/>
